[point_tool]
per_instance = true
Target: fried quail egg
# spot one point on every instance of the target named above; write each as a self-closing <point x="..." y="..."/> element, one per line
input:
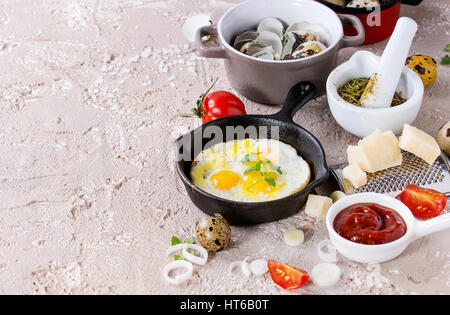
<point x="250" y="170"/>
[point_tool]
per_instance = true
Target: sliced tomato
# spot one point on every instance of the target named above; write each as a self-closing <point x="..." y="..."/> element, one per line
<point x="424" y="203"/>
<point x="286" y="276"/>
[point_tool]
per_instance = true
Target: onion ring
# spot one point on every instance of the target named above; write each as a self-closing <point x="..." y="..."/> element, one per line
<point x="327" y="251"/>
<point x="181" y="277"/>
<point x="193" y="258"/>
<point x="235" y="264"/>
<point x="175" y="248"/>
<point x="294" y="237"/>
<point x="326" y="274"/>
<point x="244" y="267"/>
<point x="259" y="267"/>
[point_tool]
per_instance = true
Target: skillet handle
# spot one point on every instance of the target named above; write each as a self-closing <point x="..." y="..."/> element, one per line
<point x="298" y="95"/>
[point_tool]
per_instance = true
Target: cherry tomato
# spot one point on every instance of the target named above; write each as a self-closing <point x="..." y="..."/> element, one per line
<point x="221" y="104"/>
<point x="286" y="276"/>
<point x="424" y="203"/>
<point x="217" y="105"/>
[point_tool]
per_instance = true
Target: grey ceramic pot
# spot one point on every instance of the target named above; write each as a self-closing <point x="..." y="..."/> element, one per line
<point x="268" y="82"/>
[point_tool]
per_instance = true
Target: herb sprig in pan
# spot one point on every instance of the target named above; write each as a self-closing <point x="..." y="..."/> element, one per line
<point x="261" y="167"/>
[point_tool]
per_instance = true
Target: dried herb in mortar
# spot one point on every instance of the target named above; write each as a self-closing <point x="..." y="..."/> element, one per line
<point x="352" y="91"/>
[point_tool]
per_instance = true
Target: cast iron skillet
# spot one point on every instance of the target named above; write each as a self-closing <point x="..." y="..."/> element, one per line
<point x="249" y="213"/>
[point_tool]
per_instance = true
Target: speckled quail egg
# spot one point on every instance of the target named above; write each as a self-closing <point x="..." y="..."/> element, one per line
<point x="213" y="233"/>
<point x="424" y="66"/>
<point x="363" y="4"/>
<point x="443" y="138"/>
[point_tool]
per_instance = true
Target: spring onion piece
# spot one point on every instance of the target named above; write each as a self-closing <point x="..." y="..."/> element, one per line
<point x="193" y="258"/>
<point x="175" y="248"/>
<point x="245" y="269"/>
<point x="327" y="251"/>
<point x="181" y="277"/>
<point x="294" y="237"/>
<point x="326" y="274"/>
<point x="335" y="196"/>
<point x="259" y="267"/>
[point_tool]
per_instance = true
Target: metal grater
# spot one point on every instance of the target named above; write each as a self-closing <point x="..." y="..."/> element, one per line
<point x="393" y="180"/>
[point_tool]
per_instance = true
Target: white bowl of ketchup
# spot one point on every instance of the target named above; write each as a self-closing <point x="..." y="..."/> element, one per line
<point x="356" y="224"/>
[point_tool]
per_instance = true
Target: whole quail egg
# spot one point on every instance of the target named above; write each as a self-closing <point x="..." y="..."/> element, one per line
<point x="213" y="233"/>
<point x="363" y="3"/>
<point x="443" y="138"/>
<point x="424" y="66"/>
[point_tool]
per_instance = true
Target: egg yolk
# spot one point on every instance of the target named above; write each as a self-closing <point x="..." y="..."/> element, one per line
<point x="224" y="180"/>
<point x="257" y="185"/>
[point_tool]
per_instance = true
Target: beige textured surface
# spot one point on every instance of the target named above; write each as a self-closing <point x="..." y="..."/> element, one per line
<point x="89" y="197"/>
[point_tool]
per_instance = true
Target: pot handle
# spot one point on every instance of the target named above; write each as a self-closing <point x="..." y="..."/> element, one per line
<point x="208" y="52"/>
<point x="358" y="39"/>
<point x="298" y="95"/>
<point x="411" y="2"/>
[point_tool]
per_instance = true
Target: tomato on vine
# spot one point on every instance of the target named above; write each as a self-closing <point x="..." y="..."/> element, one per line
<point x="218" y="104"/>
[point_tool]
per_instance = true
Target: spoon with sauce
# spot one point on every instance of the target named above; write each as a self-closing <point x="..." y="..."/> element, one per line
<point x="375" y="228"/>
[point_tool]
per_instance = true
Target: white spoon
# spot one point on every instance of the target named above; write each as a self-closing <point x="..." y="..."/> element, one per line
<point x="383" y="83"/>
<point x="381" y="253"/>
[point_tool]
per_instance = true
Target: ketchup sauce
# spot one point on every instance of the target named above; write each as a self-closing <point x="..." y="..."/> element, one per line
<point x="370" y="224"/>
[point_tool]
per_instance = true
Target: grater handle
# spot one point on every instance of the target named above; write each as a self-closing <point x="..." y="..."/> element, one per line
<point x="437" y="224"/>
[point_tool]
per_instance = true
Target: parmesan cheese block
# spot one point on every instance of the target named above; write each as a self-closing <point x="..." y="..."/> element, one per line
<point x="376" y="152"/>
<point x="355" y="175"/>
<point x="419" y="143"/>
<point x="357" y="157"/>
<point x="317" y="206"/>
